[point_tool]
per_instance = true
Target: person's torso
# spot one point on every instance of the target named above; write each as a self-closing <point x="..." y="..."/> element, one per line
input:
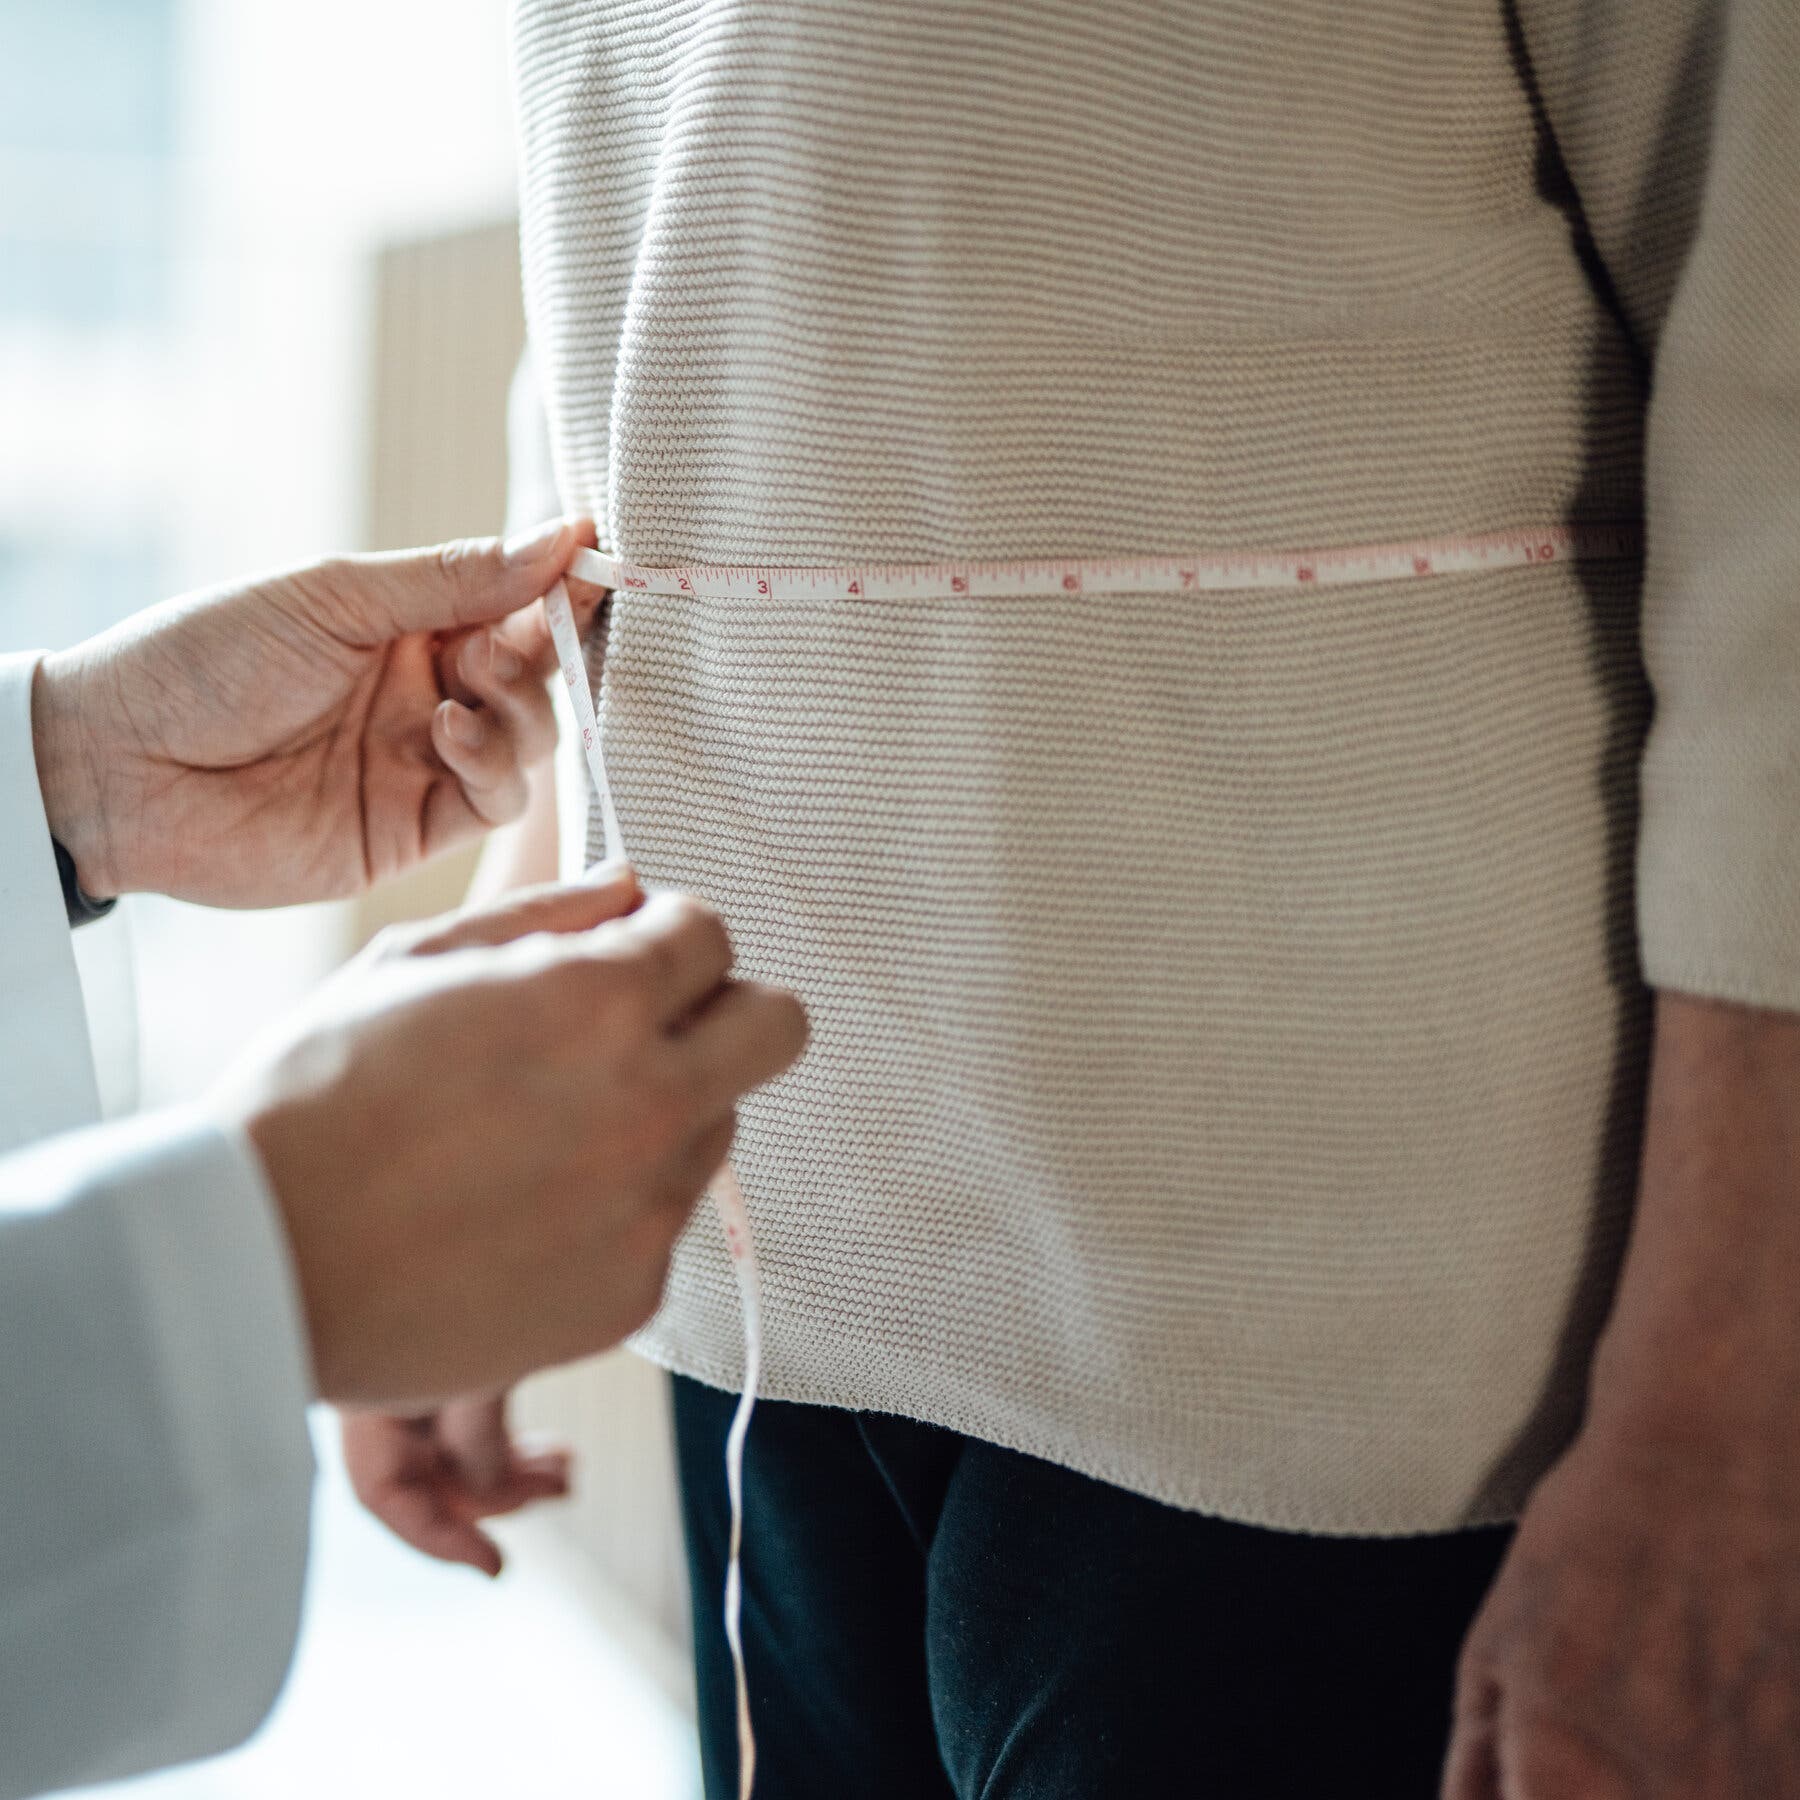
<point x="1226" y="1033"/>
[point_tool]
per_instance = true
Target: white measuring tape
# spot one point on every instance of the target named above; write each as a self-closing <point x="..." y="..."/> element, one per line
<point x="727" y="1199"/>
<point x="1212" y="573"/>
<point x="1240" y="571"/>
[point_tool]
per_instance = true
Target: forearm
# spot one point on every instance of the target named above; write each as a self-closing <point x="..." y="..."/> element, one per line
<point x="1704" y="1342"/>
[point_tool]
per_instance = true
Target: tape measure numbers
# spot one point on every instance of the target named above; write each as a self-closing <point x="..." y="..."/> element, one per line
<point x="1212" y="573"/>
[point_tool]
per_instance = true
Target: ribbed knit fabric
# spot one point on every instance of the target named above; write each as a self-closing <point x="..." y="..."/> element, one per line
<point x="1228" y="1027"/>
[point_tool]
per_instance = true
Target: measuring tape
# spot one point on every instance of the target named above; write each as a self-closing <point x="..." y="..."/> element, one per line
<point x="1040" y="579"/>
<point x="727" y="1199"/>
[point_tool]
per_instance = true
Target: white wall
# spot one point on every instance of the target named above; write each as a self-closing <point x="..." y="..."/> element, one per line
<point x="319" y="130"/>
<point x="308" y="133"/>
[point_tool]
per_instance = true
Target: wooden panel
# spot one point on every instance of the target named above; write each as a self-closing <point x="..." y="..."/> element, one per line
<point x="449" y="327"/>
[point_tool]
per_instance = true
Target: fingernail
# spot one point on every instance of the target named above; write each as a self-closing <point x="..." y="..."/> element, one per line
<point x="463" y="727"/>
<point x="610" y="874"/>
<point x="532" y="543"/>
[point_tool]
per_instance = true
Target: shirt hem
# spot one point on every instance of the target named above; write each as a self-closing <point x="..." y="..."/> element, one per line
<point x="1238" y="1503"/>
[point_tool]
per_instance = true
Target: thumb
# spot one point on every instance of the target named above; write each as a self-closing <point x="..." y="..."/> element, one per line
<point x="466" y="582"/>
<point x="609" y="892"/>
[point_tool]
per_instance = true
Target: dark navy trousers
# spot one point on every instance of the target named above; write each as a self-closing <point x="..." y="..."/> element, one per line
<point x="930" y="1617"/>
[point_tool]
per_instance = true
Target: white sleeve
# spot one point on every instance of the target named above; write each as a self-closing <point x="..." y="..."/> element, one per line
<point x="155" y="1469"/>
<point x="46" y="1067"/>
<point x="155" y="1472"/>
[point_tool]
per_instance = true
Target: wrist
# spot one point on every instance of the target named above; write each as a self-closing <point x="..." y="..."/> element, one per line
<point x="284" y="1140"/>
<point x="70" y="771"/>
<point x="1702" y="1353"/>
<point x="292" y="1106"/>
<point x="1718" y="1400"/>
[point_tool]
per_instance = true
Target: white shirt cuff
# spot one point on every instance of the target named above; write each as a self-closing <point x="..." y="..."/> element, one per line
<point x="47" y="1071"/>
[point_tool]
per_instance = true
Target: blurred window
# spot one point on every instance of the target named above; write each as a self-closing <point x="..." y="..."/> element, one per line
<point x="54" y="592"/>
<point x="87" y="153"/>
<point x="88" y="198"/>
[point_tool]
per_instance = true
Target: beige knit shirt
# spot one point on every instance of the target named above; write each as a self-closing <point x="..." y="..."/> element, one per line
<point x="1229" y="1025"/>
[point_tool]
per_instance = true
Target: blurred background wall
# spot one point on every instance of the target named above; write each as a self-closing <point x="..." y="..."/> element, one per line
<point x="190" y="195"/>
<point x="201" y="205"/>
<point x="259" y="301"/>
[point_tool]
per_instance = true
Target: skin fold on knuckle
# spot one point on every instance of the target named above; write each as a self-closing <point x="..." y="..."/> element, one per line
<point x="506" y="668"/>
<point x="475" y="664"/>
<point x="463" y="562"/>
<point x="549" y="908"/>
<point x="438" y="937"/>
